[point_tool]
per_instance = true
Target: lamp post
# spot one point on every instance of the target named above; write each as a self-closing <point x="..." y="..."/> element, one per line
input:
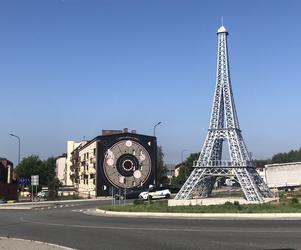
<point x="182" y="152"/>
<point x="19" y="140"/>
<point x="155" y="128"/>
<point x="156" y="153"/>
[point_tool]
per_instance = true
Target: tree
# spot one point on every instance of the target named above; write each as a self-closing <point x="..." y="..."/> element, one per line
<point x="33" y="165"/>
<point x="161" y="167"/>
<point x="186" y="168"/>
<point x="291" y="156"/>
<point x="53" y="188"/>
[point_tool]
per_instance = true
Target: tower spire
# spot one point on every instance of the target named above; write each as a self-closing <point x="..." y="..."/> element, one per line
<point x="224" y="127"/>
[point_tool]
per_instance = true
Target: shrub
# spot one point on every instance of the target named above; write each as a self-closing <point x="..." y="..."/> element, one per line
<point x="294" y="200"/>
<point x="138" y="202"/>
<point x="236" y="203"/>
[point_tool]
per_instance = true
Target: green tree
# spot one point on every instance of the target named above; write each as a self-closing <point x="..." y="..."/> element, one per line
<point x="33" y="165"/>
<point x="161" y="167"/>
<point x="186" y="168"/>
<point x="53" y="188"/>
<point x="291" y="156"/>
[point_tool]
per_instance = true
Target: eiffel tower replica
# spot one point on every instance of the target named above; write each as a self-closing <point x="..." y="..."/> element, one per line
<point x="224" y="126"/>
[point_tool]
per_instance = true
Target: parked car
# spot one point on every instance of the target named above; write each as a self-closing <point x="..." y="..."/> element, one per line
<point x="2" y="200"/>
<point x="155" y="193"/>
<point x="129" y="194"/>
<point x="42" y="194"/>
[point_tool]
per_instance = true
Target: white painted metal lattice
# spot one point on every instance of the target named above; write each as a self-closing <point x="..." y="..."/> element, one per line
<point x="224" y="126"/>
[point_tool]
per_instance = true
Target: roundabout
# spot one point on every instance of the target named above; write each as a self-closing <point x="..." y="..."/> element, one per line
<point x="76" y="226"/>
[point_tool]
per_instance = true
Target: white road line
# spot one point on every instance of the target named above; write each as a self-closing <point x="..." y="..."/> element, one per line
<point x="164" y="229"/>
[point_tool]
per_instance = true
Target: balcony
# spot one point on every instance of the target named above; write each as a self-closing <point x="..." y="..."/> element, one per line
<point x="224" y="164"/>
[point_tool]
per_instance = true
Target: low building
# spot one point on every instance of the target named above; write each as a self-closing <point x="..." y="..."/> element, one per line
<point x="118" y="159"/>
<point x="282" y="175"/>
<point x="60" y="169"/>
<point x="178" y="169"/>
<point x="83" y="169"/>
<point x="70" y="170"/>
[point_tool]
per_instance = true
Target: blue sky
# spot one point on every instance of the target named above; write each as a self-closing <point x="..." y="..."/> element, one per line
<point x="70" y="68"/>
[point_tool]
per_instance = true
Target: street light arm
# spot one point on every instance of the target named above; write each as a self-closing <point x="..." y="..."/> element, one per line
<point x="19" y="140"/>
<point x="155" y="127"/>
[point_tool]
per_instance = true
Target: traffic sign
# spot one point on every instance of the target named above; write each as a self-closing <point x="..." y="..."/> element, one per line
<point x="34" y="180"/>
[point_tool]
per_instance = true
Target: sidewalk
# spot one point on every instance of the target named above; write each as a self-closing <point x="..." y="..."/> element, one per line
<point x="30" y="205"/>
<point x="17" y="244"/>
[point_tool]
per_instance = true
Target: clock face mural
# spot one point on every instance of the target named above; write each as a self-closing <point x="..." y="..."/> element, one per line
<point x="125" y="161"/>
<point x="127" y="164"/>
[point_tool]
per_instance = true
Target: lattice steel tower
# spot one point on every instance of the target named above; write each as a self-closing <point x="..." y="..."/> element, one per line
<point x="224" y="126"/>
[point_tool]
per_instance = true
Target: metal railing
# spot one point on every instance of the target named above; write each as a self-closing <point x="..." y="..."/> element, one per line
<point x="224" y="164"/>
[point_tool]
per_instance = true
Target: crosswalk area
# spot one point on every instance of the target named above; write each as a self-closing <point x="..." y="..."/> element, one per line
<point x="53" y="207"/>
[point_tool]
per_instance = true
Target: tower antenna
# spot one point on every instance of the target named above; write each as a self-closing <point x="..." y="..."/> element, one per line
<point x="222" y="20"/>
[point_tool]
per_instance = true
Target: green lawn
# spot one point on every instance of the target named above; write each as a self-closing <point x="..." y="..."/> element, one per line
<point x="161" y="206"/>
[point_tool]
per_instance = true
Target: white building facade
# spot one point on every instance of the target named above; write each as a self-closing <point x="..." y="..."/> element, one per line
<point x="60" y="169"/>
<point x="283" y="175"/>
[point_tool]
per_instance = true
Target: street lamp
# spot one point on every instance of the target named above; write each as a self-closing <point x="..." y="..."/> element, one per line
<point x="182" y="152"/>
<point x="19" y="146"/>
<point x="155" y="128"/>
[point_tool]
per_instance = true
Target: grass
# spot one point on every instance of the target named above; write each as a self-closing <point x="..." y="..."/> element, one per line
<point x="228" y="207"/>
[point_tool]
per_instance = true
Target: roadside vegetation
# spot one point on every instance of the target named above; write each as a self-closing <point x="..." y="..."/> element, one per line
<point x="288" y="203"/>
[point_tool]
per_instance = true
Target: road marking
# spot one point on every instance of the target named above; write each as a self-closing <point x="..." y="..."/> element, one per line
<point x="217" y="230"/>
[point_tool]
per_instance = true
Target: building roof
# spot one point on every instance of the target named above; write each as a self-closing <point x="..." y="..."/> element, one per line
<point x="283" y="164"/>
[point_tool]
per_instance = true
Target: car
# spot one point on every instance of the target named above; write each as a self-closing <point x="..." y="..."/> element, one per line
<point x="3" y="200"/>
<point x="129" y="194"/>
<point x="42" y="194"/>
<point x="155" y="193"/>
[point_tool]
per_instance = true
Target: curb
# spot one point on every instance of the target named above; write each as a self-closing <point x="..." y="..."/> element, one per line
<point x="36" y="242"/>
<point x="14" y="207"/>
<point x="29" y="205"/>
<point x="225" y="216"/>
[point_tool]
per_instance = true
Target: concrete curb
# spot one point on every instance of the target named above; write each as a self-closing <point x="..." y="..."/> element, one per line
<point x="33" y="243"/>
<point x="15" y="207"/>
<point x="30" y="205"/>
<point x="219" y="216"/>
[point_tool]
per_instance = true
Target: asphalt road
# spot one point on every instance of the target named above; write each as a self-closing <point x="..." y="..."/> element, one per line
<point x="70" y="226"/>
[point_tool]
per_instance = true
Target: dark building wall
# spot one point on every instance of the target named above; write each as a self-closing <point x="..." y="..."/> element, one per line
<point x="120" y="156"/>
<point x="4" y="166"/>
<point x="8" y="191"/>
